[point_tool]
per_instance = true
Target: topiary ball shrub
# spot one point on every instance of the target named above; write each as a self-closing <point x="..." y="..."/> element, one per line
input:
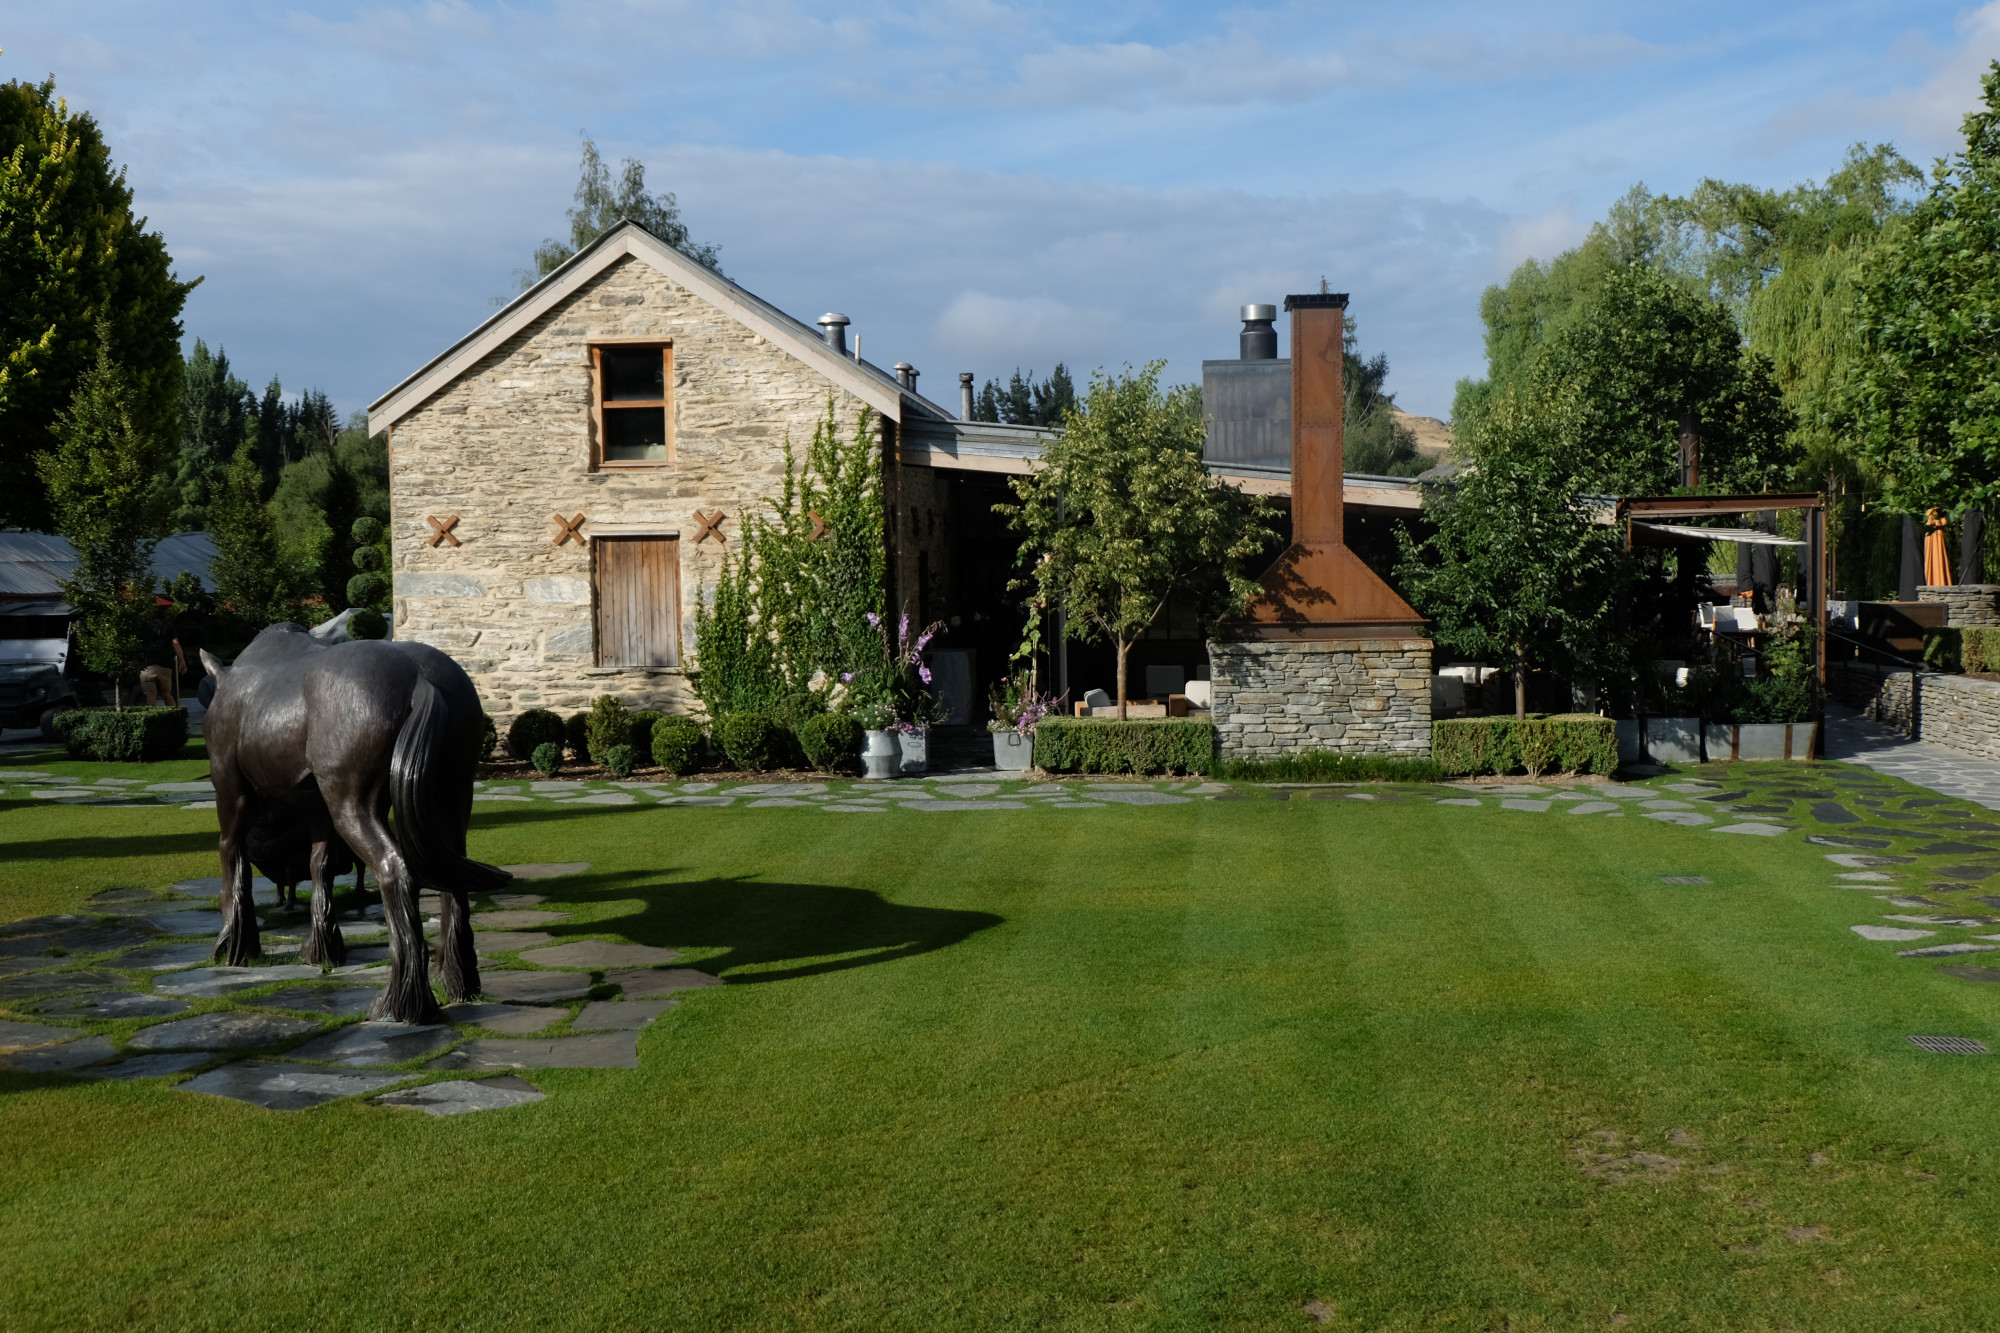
<point x="547" y="759"/>
<point x="643" y="723"/>
<point x="677" y="744"/>
<point x="832" y="742"/>
<point x="576" y="736"/>
<point x="607" y="724"/>
<point x="489" y="736"/>
<point x="750" y="740"/>
<point x="367" y="623"/>
<point x="531" y="730"/>
<point x="366" y="589"/>
<point x="368" y="559"/>
<point x="620" y="760"/>
<point x="366" y="531"/>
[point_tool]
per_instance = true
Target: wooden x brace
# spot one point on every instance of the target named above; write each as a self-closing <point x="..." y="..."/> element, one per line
<point x="819" y="524"/>
<point x="711" y="526"/>
<point x="441" y="531"/>
<point x="569" y="528"/>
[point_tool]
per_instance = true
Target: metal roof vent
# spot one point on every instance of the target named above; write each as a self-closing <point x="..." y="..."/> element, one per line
<point x="906" y="375"/>
<point x="1259" y="340"/>
<point x="965" y="395"/>
<point x="833" y="325"/>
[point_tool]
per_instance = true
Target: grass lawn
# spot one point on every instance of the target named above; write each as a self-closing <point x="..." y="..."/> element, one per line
<point x="1245" y="1065"/>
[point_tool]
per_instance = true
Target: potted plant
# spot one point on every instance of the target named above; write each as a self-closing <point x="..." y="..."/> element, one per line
<point x="881" y="755"/>
<point x="1017" y="707"/>
<point x="1769" y="718"/>
<point x="893" y="696"/>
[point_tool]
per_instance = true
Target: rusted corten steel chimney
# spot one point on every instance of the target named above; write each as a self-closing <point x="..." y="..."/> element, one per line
<point x="1318" y="589"/>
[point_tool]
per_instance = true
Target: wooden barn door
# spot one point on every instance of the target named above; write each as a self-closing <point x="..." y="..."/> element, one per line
<point x="638" y="601"/>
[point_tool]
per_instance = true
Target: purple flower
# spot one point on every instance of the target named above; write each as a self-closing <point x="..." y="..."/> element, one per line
<point x="924" y="674"/>
<point x="874" y="621"/>
<point x="846" y="676"/>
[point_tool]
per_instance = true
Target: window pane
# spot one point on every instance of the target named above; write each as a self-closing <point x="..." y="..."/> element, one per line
<point x="634" y="373"/>
<point x="633" y="434"/>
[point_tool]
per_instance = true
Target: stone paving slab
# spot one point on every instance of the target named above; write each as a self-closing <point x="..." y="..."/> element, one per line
<point x="1946" y="950"/>
<point x="112" y="1004"/>
<point x="185" y="922"/>
<point x="62" y="1059"/>
<point x="41" y="925"/>
<point x="278" y="1086"/>
<point x="544" y="870"/>
<point x="1755" y="830"/>
<point x="220" y="1032"/>
<point x="1890" y="933"/>
<point x="340" y="1001"/>
<point x="1856" y="739"/>
<point x="513" y="1019"/>
<point x="600" y="954"/>
<point x="645" y="982"/>
<point x="515" y="919"/>
<point x="1971" y="972"/>
<point x="620" y="1014"/>
<point x="27" y="946"/>
<point x="461" y="1095"/>
<point x="599" y="1050"/>
<point x="365" y="1044"/>
<point x="105" y="939"/>
<point x="518" y="899"/>
<point x="160" y="1065"/>
<point x="22" y="1036"/>
<point x="30" y="984"/>
<point x="534" y="987"/>
<point x="210" y="982"/>
<point x="507" y="941"/>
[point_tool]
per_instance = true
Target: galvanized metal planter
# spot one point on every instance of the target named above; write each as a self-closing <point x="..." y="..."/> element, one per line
<point x="1013" y="751"/>
<point x="1760" y="740"/>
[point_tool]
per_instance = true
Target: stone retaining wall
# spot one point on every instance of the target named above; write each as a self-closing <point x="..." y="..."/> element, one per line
<point x="1349" y="696"/>
<point x="1966" y="603"/>
<point x="1959" y="712"/>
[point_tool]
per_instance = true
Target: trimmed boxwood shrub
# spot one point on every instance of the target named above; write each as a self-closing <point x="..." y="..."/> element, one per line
<point x="752" y="741"/>
<point x="532" y="730"/>
<point x="641" y="737"/>
<point x="677" y="744"/>
<point x="832" y="742"/>
<point x="128" y="735"/>
<point x="547" y="759"/>
<point x="620" y="760"/>
<point x="1979" y="648"/>
<point x="608" y="723"/>
<point x="1137" y="745"/>
<point x="576" y="736"/>
<point x="1540" y="743"/>
<point x="1326" y="766"/>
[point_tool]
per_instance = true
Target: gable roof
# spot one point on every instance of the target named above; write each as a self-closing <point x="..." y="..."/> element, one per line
<point x="871" y="384"/>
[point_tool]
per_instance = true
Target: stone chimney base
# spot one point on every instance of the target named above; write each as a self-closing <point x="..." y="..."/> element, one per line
<point x="1348" y="696"/>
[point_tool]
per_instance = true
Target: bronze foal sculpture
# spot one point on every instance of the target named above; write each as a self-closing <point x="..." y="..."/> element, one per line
<point x="335" y="737"/>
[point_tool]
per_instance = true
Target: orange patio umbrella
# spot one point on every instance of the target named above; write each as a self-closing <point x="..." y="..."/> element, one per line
<point x="1937" y="565"/>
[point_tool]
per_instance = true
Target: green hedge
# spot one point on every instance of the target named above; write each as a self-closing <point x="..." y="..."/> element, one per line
<point x="1542" y="743"/>
<point x="123" y="736"/>
<point x="1979" y="648"/>
<point x="1325" y="766"/>
<point x="832" y="742"/>
<point x="1138" y="745"/>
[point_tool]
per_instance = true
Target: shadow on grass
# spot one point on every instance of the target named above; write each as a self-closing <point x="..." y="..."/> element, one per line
<point x="100" y="847"/>
<point x="815" y="928"/>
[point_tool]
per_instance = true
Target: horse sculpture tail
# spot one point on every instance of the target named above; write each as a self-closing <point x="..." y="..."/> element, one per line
<point x="430" y="831"/>
<point x="430" y="820"/>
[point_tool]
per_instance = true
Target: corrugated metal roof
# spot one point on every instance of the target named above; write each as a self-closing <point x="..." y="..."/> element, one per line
<point x="34" y="564"/>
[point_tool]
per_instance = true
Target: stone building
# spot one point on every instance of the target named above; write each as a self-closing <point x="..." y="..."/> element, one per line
<point x="565" y="479"/>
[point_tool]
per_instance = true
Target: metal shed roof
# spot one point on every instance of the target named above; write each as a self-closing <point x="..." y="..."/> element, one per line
<point x="34" y="564"/>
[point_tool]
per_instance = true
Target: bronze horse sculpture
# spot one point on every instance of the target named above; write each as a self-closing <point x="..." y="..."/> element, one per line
<point x="334" y="738"/>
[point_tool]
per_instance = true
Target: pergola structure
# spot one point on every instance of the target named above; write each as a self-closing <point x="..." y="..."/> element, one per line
<point x="1649" y="521"/>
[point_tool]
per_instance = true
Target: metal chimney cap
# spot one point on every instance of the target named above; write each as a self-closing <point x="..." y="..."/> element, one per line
<point x="833" y="317"/>
<point x="965" y="377"/>
<point x="902" y="365"/>
<point x="1251" y="312"/>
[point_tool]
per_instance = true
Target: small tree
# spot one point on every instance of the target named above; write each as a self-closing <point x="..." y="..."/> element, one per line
<point x="249" y="580"/>
<point x="103" y="488"/>
<point x="1121" y="516"/>
<point x="1518" y="569"/>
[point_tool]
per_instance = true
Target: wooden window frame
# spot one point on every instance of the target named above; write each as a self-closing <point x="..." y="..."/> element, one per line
<point x="598" y="346"/>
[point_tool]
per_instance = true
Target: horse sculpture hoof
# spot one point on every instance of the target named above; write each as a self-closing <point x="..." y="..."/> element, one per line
<point x="325" y="946"/>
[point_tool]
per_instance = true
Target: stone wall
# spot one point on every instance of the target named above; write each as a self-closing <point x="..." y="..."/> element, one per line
<point x="1887" y="696"/>
<point x="507" y="445"/>
<point x="1960" y="712"/>
<point x="1349" y="696"/>
<point x="1966" y="603"/>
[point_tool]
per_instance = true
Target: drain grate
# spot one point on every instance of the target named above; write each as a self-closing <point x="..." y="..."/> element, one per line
<point x="1950" y="1045"/>
<point x="1683" y="879"/>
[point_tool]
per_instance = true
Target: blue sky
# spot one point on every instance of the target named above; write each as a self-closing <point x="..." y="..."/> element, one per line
<point x="977" y="184"/>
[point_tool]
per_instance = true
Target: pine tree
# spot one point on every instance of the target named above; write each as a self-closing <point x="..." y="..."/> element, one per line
<point x="249" y="579"/>
<point x="103" y="493"/>
<point x="213" y="418"/>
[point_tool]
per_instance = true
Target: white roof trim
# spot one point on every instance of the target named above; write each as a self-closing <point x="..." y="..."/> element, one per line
<point x="630" y="239"/>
